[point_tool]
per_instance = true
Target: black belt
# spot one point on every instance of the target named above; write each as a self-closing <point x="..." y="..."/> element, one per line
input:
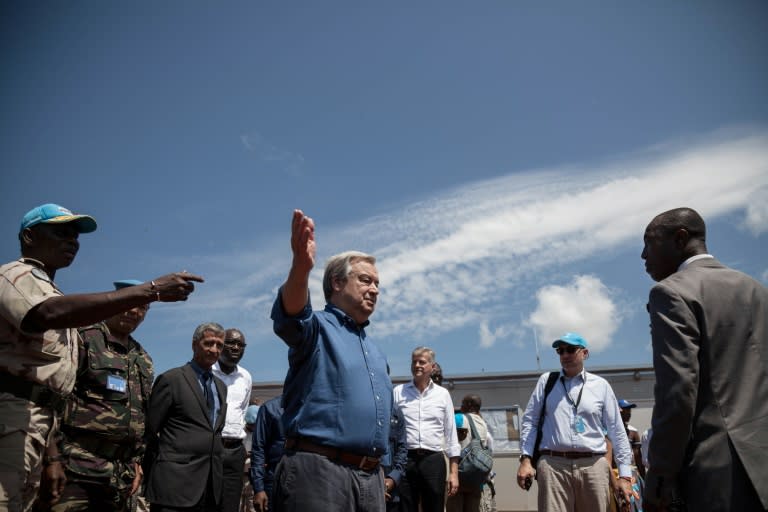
<point x="32" y="391"/>
<point x="420" y="452"/>
<point x="571" y="455"/>
<point x="335" y="454"/>
<point x="231" y="442"/>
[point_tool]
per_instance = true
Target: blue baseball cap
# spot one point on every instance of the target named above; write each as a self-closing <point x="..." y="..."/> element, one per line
<point x="54" y="214"/>
<point x="125" y="283"/>
<point x="459" y="420"/>
<point x="626" y="404"/>
<point x="570" y="338"/>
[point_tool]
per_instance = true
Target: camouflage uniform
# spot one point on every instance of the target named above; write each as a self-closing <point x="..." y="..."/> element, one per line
<point x="37" y="370"/>
<point x="103" y="427"/>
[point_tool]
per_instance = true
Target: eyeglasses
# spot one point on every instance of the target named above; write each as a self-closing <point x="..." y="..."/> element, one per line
<point x="570" y="349"/>
<point x="235" y="343"/>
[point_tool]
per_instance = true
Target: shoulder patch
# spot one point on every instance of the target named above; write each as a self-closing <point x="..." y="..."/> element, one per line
<point x="40" y="274"/>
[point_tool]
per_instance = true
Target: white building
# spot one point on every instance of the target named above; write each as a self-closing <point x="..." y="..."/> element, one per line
<point x="505" y="396"/>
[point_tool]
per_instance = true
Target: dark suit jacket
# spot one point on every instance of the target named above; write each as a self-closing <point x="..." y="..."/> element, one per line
<point x="710" y="353"/>
<point x="183" y="448"/>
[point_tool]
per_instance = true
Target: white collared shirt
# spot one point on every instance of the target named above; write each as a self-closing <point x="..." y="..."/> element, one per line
<point x="598" y="411"/>
<point x="692" y="259"/>
<point x="238" y="384"/>
<point x="429" y="420"/>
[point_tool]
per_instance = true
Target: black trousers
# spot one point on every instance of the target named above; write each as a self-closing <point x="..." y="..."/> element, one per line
<point x="207" y="503"/>
<point x="232" y="482"/>
<point x="424" y="481"/>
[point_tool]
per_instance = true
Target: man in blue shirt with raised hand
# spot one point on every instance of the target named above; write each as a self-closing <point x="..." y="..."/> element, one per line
<point x="337" y="395"/>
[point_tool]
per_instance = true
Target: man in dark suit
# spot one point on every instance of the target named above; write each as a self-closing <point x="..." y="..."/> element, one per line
<point x="184" y="423"/>
<point x="710" y="353"/>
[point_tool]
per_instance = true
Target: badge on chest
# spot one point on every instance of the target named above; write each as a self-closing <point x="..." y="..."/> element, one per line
<point x="116" y="383"/>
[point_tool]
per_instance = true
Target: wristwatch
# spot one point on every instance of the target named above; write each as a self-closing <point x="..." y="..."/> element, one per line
<point x="524" y="456"/>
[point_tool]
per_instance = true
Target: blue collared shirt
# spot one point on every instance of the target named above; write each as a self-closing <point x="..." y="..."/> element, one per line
<point x="216" y="402"/>
<point x="267" y="445"/>
<point x="394" y="462"/>
<point x="337" y="392"/>
<point x="598" y="409"/>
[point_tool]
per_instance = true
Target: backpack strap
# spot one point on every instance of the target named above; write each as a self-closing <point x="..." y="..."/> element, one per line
<point x="551" y="381"/>
<point x="472" y="426"/>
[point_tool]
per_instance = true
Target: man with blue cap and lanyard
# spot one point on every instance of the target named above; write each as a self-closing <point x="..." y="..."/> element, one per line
<point x="573" y="473"/>
<point x="38" y="346"/>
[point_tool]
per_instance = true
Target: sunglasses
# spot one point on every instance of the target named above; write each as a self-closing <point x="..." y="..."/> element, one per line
<point x="570" y="349"/>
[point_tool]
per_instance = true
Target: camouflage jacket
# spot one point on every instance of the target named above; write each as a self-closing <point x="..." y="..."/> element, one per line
<point x="103" y="427"/>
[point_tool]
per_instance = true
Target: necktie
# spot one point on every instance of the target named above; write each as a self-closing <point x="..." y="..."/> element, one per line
<point x="207" y="376"/>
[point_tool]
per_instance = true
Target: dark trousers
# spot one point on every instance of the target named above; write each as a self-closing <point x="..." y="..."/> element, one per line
<point x="307" y="482"/>
<point x="207" y="502"/>
<point x="86" y="496"/>
<point x="232" y="481"/>
<point x="424" y="480"/>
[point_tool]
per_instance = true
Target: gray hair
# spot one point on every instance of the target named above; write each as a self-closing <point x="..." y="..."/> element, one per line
<point x="338" y="268"/>
<point x="424" y="350"/>
<point x="201" y="329"/>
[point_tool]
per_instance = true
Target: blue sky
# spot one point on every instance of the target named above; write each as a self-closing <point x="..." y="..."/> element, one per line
<point x="500" y="158"/>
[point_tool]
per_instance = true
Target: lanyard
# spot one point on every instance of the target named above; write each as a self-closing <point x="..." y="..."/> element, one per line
<point x="568" y="395"/>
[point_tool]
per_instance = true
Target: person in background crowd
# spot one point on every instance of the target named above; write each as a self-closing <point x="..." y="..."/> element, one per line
<point x="266" y="452"/>
<point x="632" y="434"/>
<point x="38" y="352"/>
<point x="467" y="499"/>
<point x="102" y="440"/>
<point x="645" y="440"/>
<point x="238" y="381"/>
<point x="185" y="456"/>
<point x="430" y="427"/>
<point x="710" y="355"/>
<point x="337" y="394"/>
<point x="395" y="459"/>
<point x="246" y="497"/>
<point x="573" y="473"/>
<point x="437" y="374"/>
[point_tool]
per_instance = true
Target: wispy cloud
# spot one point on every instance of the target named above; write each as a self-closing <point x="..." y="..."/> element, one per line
<point x="468" y="257"/>
<point x="757" y="212"/>
<point x="272" y="156"/>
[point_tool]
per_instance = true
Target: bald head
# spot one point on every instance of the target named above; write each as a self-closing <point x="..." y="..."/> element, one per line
<point x="671" y="238"/>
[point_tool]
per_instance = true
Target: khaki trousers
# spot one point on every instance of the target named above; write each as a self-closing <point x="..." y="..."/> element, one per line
<point x="25" y="428"/>
<point x="573" y="485"/>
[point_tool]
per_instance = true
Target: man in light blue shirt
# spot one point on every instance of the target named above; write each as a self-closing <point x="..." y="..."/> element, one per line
<point x="337" y="394"/>
<point x="572" y="472"/>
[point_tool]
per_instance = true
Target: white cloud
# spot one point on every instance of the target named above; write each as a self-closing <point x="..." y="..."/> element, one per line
<point x="757" y="212"/>
<point x="272" y="156"/>
<point x="468" y="256"/>
<point x="584" y="306"/>
<point x="489" y="337"/>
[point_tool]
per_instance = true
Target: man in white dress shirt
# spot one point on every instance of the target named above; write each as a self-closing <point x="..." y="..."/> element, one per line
<point x="573" y="473"/>
<point x="429" y="428"/>
<point x="238" y="381"/>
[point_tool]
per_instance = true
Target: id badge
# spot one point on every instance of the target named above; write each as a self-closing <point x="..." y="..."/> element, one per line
<point x="578" y="425"/>
<point x="115" y="383"/>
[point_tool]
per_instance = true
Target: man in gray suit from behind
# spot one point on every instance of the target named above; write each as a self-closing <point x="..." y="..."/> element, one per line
<point x="184" y="461"/>
<point x="710" y="352"/>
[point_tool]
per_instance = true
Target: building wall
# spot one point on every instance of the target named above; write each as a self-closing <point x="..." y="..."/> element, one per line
<point x="510" y="392"/>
